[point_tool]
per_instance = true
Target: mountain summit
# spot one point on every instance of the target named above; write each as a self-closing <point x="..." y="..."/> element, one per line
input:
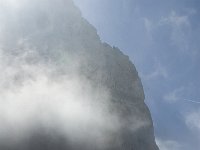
<point x="61" y="88"/>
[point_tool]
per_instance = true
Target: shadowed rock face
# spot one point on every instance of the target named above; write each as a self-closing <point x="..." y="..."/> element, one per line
<point x="47" y="49"/>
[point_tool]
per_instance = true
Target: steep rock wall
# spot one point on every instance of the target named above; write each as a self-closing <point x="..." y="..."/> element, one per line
<point x="52" y="37"/>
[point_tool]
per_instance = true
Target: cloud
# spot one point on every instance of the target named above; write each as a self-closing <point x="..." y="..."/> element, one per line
<point x="159" y="71"/>
<point x="148" y="24"/>
<point x="181" y="94"/>
<point x="168" y="145"/>
<point x="180" y="30"/>
<point x="174" y="96"/>
<point x="31" y="97"/>
<point x="192" y="120"/>
<point x="41" y="86"/>
<point x="175" y="20"/>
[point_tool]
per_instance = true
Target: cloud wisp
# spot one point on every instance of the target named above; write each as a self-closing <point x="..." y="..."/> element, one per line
<point x="168" y="145"/>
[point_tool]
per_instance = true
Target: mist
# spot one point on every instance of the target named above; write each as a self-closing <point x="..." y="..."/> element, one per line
<point x="49" y="92"/>
<point x="32" y="97"/>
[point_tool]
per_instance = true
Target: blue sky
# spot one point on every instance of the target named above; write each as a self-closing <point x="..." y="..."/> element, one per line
<point x="162" y="38"/>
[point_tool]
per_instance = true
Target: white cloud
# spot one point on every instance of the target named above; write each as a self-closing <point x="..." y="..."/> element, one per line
<point x="168" y="145"/>
<point x="31" y="96"/>
<point x="176" y="20"/>
<point x="174" y="95"/>
<point x="180" y="30"/>
<point x="181" y="94"/>
<point x="148" y="24"/>
<point x="192" y="120"/>
<point x="149" y="27"/>
<point x="159" y="71"/>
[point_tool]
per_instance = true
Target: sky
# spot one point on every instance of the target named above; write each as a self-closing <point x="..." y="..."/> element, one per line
<point x="162" y="39"/>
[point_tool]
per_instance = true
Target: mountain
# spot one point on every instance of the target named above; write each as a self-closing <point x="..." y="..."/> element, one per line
<point x="62" y="88"/>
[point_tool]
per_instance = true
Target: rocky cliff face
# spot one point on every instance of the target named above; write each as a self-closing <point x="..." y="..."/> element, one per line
<point x="62" y="88"/>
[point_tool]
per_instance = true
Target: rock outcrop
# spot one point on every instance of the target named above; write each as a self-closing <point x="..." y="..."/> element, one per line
<point x="49" y="38"/>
